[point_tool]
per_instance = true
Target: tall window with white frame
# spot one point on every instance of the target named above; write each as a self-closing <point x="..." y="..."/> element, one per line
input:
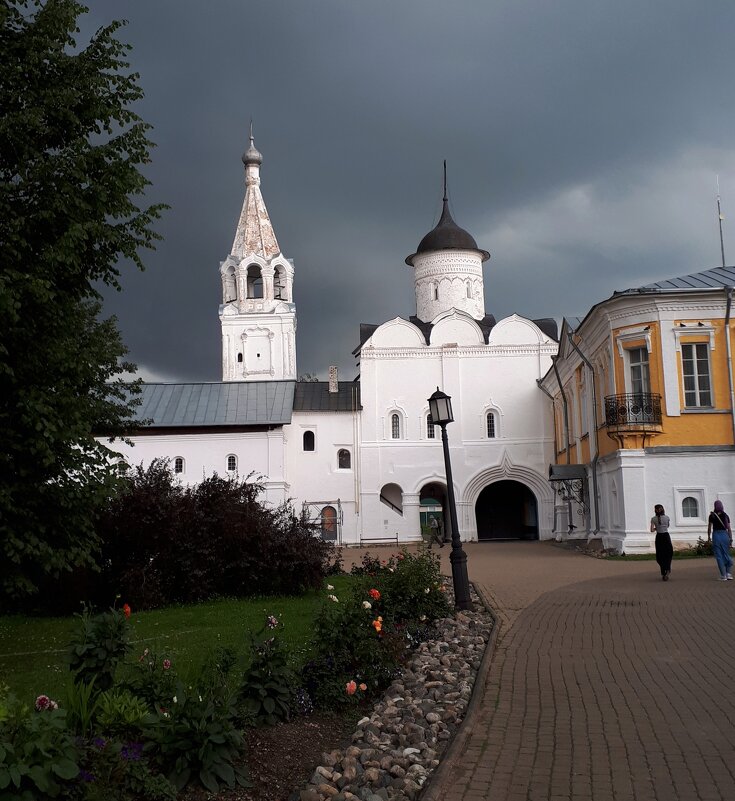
<point x="695" y="367"/>
<point x="395" y="426"/>
<point x="430" y="429"/>
<point x="490" y="425"/>
<point x="178" y="464"/>
<point x="232" y="463"/>
<point x="640" y="377"/>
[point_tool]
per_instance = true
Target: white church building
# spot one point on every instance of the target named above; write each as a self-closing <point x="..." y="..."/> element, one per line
<point x="363" y="458"/>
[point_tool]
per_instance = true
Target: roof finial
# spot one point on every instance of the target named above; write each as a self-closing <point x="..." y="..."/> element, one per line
<point x="252" y="155"/>
<point x="445" y="182"/>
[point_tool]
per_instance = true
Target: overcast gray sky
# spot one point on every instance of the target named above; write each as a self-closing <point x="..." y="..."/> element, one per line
<point x="582" y="137"/>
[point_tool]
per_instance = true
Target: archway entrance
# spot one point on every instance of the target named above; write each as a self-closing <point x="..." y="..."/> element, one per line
<point x="433" y="503"/>
<point x="506" y="510"/>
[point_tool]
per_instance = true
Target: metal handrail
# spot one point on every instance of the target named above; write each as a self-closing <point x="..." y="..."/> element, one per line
<point x="633" y="410"/>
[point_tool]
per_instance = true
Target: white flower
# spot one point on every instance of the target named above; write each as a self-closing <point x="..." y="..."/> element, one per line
<point x="333" y="598"/>
<point x="330" y="587"/>
<point x="200" y="699"/>
<point x="427" y="590"/>
<point x="175" y="700"/>
<point x="367" y="605"/>
<point x="423" y="617"/>
<point x="391" y="570"/>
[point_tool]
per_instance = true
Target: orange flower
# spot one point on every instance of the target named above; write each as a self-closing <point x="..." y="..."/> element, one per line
<point x="126" y="610"/>
<point x="374" y="594"/>
<point x="363" y="687"/>
<point x="377" y="625"/>
<point x="350" y="687"/>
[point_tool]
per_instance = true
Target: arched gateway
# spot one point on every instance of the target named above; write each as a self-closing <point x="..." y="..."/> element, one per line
<point x="506" y="510"/>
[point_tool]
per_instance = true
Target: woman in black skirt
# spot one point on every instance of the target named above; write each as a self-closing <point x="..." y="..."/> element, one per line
<point x="664" y="549"/>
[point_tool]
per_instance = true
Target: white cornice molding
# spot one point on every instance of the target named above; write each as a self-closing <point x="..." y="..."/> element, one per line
<point x="633" y="335"/>
<point x="472" y="351"/>
<point x="703" y="328"/>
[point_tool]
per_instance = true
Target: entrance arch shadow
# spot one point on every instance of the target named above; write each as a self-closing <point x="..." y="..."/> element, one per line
<point x="506" y="510"/>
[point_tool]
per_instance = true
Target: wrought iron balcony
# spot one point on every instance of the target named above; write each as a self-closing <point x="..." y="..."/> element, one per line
<point x="634" y="412"/>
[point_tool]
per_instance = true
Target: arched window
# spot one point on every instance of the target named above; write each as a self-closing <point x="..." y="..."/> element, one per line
<point x="229" y="286"/>
<point x="469" y="289"/>
<point x="329" y="523"/>
<point x="239" y="358"/>
<point x="430" y="430"/>
<point x="395" y="426"/>
<point x="255" y="282"/>
<point x="178" y="465"/>
<point x="435" y="291"/>
<point x="690" y="507"/>
<point x="344" y="460"/>
<point x="490" y="420"/>
<point x="279" y="284"/>
<point x="232" y="463"/>
<point x="308" y="440"/>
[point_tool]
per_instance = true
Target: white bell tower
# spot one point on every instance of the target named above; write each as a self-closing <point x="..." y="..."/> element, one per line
<point x="257" y="314"/>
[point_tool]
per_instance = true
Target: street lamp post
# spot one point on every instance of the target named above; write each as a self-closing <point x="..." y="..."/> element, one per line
<point x="440" y="408"/>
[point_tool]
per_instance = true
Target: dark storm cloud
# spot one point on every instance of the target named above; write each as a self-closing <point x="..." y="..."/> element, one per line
<point x="582" y="140"/>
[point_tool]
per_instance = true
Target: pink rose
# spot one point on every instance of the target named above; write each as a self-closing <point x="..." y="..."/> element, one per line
<point x="166" y="664"/>
<point x="351" y="688"/>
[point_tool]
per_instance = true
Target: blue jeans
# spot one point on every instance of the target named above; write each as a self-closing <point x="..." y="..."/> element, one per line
<point x="721" y="550"/>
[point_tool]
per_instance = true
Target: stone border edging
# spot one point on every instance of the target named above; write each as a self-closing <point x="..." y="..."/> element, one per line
<point x="435" y="790"/>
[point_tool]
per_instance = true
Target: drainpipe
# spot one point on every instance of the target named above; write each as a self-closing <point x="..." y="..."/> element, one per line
<point x="564" y="407"/>
<point x="553" y="417"/>
<point x="728" y="291"/>
<point x="566" y="434"/>
<point x="594" y="422"/>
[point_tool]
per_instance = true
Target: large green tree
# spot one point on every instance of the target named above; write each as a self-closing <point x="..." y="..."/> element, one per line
<point x="71" y="149"/>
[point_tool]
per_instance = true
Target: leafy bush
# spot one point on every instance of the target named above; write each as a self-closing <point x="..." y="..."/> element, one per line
<point x="703" y="547"/>
<point x="121" y="714"/>
<point x="98" y="645"/>
<point x="151" y="678"/>
<point x="351" y="642"/>
<point x="196" y="737"/>
<point x="39" y="756"/>
<point x="364" y="639"/>
<point x="164" y="542"/>
<point x="81" y="706"/>
<point x="267" y="686"/>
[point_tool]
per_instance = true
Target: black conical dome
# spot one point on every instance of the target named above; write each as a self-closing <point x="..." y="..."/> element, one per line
<point x="447" y="235"/>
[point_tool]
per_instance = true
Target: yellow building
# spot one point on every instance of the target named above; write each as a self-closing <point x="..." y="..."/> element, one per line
<point x="644" y="412"/>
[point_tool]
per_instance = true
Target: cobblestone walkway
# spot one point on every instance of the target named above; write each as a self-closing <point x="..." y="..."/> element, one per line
<point x="606" y="683"/>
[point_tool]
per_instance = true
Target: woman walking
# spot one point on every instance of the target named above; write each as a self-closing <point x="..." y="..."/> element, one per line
<point x="664" y="549"/>
<point x="718" y="526"/>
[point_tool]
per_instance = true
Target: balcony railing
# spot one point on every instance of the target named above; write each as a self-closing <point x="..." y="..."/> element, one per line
<point x="640" y="411"/>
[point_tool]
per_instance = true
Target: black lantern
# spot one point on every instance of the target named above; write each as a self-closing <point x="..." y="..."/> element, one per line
<point x="440" y="408"/>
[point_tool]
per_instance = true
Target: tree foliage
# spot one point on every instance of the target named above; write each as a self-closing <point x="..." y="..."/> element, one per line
<point x="70" y="152"/>
<point x="164" y="542"/>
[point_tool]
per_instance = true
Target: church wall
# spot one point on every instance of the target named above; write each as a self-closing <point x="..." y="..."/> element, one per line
<point x="315" y="475"/>
<point x="204" y="454"/>
<point x="479" y="379"/>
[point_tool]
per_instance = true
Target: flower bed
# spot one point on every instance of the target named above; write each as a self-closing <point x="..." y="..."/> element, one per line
<point x="144" y="731"/>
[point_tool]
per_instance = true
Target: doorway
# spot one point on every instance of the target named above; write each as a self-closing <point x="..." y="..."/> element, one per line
<point x="506" y="510"/>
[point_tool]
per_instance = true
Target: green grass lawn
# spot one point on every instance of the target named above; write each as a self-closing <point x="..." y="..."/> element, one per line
<point x="32" y="649"/>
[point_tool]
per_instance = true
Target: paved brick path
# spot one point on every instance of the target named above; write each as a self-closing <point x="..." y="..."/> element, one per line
<point x="606" y="683"/>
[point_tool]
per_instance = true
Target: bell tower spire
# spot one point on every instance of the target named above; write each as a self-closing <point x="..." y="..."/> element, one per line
<point x="448" y="269"/>
<point x="257" y="313"/>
